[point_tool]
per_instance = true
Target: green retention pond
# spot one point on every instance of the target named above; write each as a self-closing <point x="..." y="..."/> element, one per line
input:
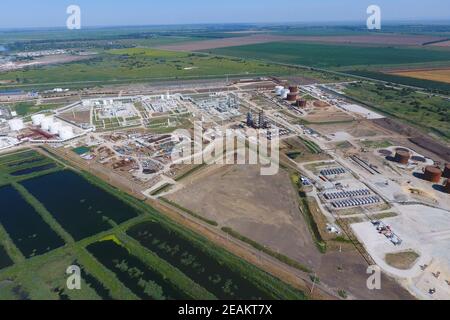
<point x="82" y="208"/>
<point x="213" y="274"/>
<point x="5" y="260"/>
<point x="31" y="170"/>
<point x="133" y="273"/>
<point x="24" y="225"/>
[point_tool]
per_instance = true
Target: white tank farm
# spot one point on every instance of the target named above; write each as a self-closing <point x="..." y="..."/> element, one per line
<point x="16" y="124"/>
<point x="37" y="119"/>
<point x="54" y="127"/>
<point x="46" y="123"/>
<point x="66" y="133"/>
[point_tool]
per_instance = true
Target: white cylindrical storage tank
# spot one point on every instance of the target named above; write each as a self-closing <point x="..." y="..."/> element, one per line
<point x="37" y="119"/>
<point x="66" y="133"/>
<point x="46" y="123"/>
<point x="16" y="124"/>
<point x="284" y="93"/>
<point x="278" y="90"/>
<point x="54" y="127"/>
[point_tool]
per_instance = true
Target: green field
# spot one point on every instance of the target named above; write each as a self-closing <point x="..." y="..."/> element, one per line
<point x="334" y="56"/>
<point x="144" y="64"/>
<point x="426" y="112"/>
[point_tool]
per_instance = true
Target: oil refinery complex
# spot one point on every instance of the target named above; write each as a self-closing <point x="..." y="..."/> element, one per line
<point x="393" y="195"/>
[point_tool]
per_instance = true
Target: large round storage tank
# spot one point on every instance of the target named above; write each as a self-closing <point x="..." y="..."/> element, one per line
<point x="66" y="133"/>
<point x="278" y="90"/>
<point x="284" y="93"/>
<point x="292" y="96"/>
<point x="46" y="123"/>
<point x="16" y="124"/>
<point x="433" y="174"/>
<point x="37" y="119"/>
<point x="293" y="89"/>
<point x="447" y="171"/>
<point x="402" y="157"/>
<point x="54" y="127"/>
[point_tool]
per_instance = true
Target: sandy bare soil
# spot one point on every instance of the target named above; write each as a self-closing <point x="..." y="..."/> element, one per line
<point x="441" y="75"/>
<point x="42" y="61"/>
<point x="402" y="40"/>
<point x="265" y="209"/>
<point x="327" y="114"/>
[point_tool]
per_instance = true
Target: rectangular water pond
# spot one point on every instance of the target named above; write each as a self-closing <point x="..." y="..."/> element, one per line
<point x="5" y="260"/>
<point x="82" y="208"/>
<point x="27" y="229"/>
<point x="213" y="275"/>
<point x="133" y="273"/>
<point x="29" y="161"/>
<point x="31" y="170"/>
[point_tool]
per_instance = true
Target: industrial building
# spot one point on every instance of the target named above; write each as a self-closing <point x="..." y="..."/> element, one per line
<point x="356" y="202"/>
<point x="332" y="172"/>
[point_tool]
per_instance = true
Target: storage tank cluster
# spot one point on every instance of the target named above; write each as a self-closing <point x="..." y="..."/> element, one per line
<point x="282" y="92"/>
<point x="56" y="128"/>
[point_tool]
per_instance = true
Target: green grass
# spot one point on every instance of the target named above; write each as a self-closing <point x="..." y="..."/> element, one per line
<point x="377" y="144"/>
<point x="266" y="250"/>
<point x="142" y="65"/>
<point x="30" y="107"/>
<point x="426" y="112"/>
<point x="435" y="86"/>
<point x="333" y="56"/>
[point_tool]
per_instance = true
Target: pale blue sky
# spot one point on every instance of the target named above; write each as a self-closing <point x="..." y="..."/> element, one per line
<point x="52" y="13"/>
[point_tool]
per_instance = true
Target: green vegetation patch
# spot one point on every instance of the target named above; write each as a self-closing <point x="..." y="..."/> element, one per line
<point x="435" y="86"/>
<point x="142" y="65"/>
<point x="333" y="56"/>
<point x="424" y="111"/>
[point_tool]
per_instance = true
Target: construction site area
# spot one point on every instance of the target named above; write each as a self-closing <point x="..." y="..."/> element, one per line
<point x="350" y="192"/>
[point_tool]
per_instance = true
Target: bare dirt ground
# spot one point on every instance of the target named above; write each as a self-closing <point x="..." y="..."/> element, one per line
<point x="327" y="114"/>
<point x="356" y="129"/>
<point x="265" y="38"/>
<point x="265" y="209"/>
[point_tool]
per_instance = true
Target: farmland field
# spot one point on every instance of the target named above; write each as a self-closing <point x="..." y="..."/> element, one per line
<point x="333" y="56"/>
<point x="105" y="233"/>
<point x="440" y="75"/>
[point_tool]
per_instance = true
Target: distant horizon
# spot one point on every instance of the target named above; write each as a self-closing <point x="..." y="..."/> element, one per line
<point x="26" y="14"/>
<point x="325" y="24"/>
